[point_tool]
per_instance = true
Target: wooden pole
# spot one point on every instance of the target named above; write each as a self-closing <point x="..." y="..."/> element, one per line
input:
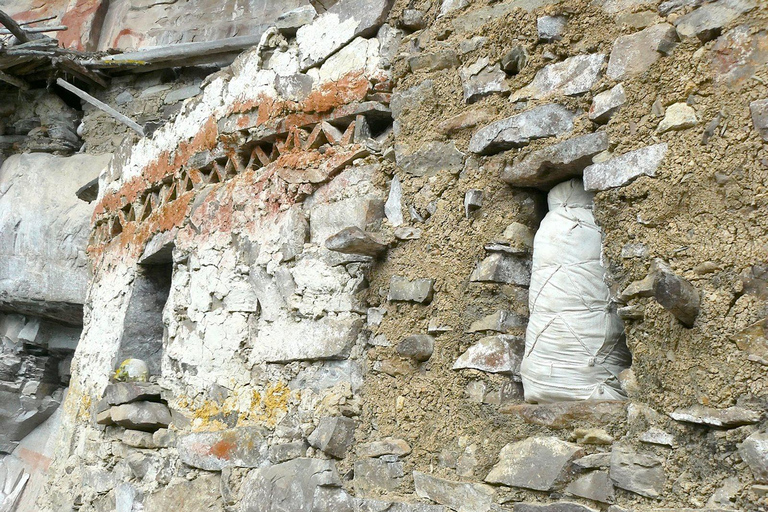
<point x="16" y="29"/>
<point x="101" y="106"/>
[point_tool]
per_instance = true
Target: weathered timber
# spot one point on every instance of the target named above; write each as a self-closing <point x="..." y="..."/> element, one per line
<point x="101" y="106"/>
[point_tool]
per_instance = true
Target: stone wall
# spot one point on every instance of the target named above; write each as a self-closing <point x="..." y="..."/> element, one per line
<point x="347" y="214"/>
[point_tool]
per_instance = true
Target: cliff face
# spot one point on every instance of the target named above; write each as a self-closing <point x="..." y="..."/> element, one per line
<point x="322" y="258"/>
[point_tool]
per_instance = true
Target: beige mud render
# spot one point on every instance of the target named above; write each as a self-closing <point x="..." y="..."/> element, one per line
<point x="264" y="256"/>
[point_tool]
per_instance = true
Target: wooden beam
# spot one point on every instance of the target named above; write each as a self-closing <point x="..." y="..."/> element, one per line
<point x="101" y="106"/>
<point x="18" y="82"/>
<point x="36" y="30"/>
<point x="16" y="29"/>
<point x="80" y="71"/>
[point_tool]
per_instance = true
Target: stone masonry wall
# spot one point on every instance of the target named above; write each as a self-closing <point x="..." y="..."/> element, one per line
<point x="347" y="213"/>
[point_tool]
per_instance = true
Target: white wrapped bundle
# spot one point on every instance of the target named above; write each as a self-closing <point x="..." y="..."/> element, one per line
<point x="574" y="345"/>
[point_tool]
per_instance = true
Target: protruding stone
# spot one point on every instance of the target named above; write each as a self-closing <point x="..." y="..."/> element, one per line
<point x="754" y="341"/>
<point x="635" y="54"/>
<point x="287" y="451"/>
<point x="677" y="295"/>
<point x="125" y="392"/>
<point x="138" y="439"/>
<point x="340" y="24"/>
<point x="148" y="416"/>
<point x="575" y="75"/>
<point x="655" y="435"/>
<point x="417" y="346"/>
<point x="333" y="435"/>
<point x="431" y="159"/>
<point x="519" y="236"/>
<point x="707" y="21"/>
<point x="623" y="169"/>
<point x="640" y="288"/>
<point x="514" y="60"/>
<point x="418" y="290"/>
<point x="642" y="474"/>
<point x="462" y="496"/>
<point x="292" y="484"/>
<point x="503" y="268"/>
<point x="759" y="111"/>
<point x="393" y="208"/>
<point x="730" y="417"/>
<point x="407" y="233"/>
<point x="464" y="120"/>
<point x="353" y="240"/>
<point x="566" y="414"/>
<point x="517" y="131"/>
<point x="387" y="446"/>
<point x="592" y="436"/>
<point x="560" y="506"/>
<point x="374" y="476"/>
<point x="473" y="201"/>
<point x="678" y="116"/>
<point x="556" y="163"/>
<point x="444" y="59"/>
<point x="413" y="19"/>
<point x="289" y="22"/>
<point x="550" y="28"/>
<point x="244" y="447"/>
<point x="606" y="104"/>
<point x="594" y="461"/>
<point x="500" y="321"/>
<point x="494" y="354"/>
<point x="451" y="5"/>
<point x="595" y="486"/>
<point x="482" y="79"/>
<point x="754" y="451"/>
<point x="538" y="463"/>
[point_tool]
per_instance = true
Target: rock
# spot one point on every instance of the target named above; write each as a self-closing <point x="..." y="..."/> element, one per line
<point x="561" y="506"/>
<point x="287" y="451"/>
<point x="104" y="418"/>
<point x="566" y="414"/>
<point x="503" y="268"/>
<point x="671" y="6"/>
<point x="657" y="436"/>
<point x="462" y="121"/>
<point x="730" y="417"/>
<point x="623" y="169"/>
<point x="556" y="163"/>
<point x="148" y="416"/>
<point x="202" y="493"/>
<point x="675" y="294"/>
<point x="737" y="55"/>
<point x="431" y="159"/>
<point x="138" y="439"/>
<point x="482" y="79"/>
<point x="163" y="438"/>
<point x="393" y="207"/>
<point x="182" y="94"/>
<point x="413" y="19"/>
<point x="444" y="59"/>
<point x="500" y="321"/>
<point x="592" y="436"/>
<point x="416" y="346"/>
<point x="418" y="290"/>
<point x="132" y="370"/>
<point x="514" y="60"/>
<point x="473" y="201"/>
<point x="374" y="476"/>
<point x="294" y="87"/>
<point x="642" y="474"/>
<point x="616" y="6"/>
<point x="594" y="461"/>
<point x="538" y="463"/>
<point x="451" y="5"/>
<point x="244" y="447"/>
<point x="551" y="28"/>
<point x="575" y="75"/>
<point x="353" y="240"/>
<point x="707" y="21"/>
<point x="494" y="354"/>
<point x="387" y="446"/>
<point x="333" y="435"/>
<point x="288" y="486"/>
<point x="327" y="219"/>
<point x="459" y="496"/>
<point x="517" y="131"/>
<point x="754" y="451"/>
<point x="754" y="341"/>
<point x="123" y="98"/>
<point x="759" y="111"/>
<point x="595" y="486"/>
<point x="724" y="497"/>
<point x="606" y="104"/>
<point x="125" y="392"/>
<point x="641" y="288"/>
<point x="340" y="24"/>
<point x="289" y="22"/>
<point x="407" y="233"/>
<point x="679" y="116"/>
<point x="635" y="54"/>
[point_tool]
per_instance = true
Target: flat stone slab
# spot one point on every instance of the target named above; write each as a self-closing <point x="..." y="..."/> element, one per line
<point x="386" y="446"/>
<point x="126" y="392"/>
<point x="333" y="435"/>
<point x="754" y="451"/>
<point x="607" y="103"/>
<point x="562" y="506"/>
<point x="575" y="75"/>
<point x="566" y="414"/>
<point x="754" y="341"/>
<point x="595" y="486"/>
<point x="759" y="111"/>
<point x="721" y="418"/>
<point x="431" y="159"/>
<point x="148" y="416"/>
<point x="417" y="290"/>
<point x="519" y="130"/>
<point x="538" y="463"/>
<point x="353" y="240"/>
<point x="461" y="496"/>
<point x="640" y="473"/>
<point x="634" y="54"/>
<point x="244" y="447"/>
<point x="500" y="321"/>
<point x="494" y="354"/>
<point x="556" y="163"/>
<point x="623" y="169"/>
<point x="706" y="21"/>
<point x="503" y="268"/>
